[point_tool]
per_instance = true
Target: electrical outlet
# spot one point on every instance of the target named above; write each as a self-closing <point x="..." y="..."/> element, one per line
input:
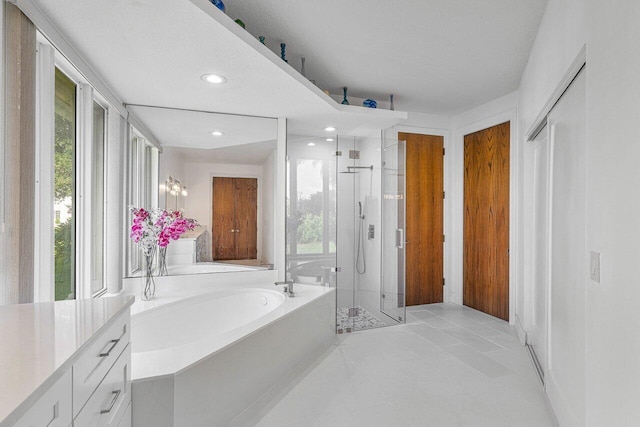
<point x="594" y="267"/>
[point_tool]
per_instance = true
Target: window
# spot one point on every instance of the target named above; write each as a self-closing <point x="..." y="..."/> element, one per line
<point x="143" y="188"/>
<point x="314" y="207"/>
<point x="71" y="147"/>
<point x="64" y="186"/>
<point x="97" y="197"/>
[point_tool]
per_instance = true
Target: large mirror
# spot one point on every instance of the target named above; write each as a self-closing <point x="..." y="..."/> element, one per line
<point x="220" y="170"/>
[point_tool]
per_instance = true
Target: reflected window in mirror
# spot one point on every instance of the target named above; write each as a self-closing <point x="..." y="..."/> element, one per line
<point x="143" y="188"/>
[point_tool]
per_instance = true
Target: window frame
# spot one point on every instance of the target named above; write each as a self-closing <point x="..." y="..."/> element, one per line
<point x="143" y="187"/>
<point x="48" y="60"/>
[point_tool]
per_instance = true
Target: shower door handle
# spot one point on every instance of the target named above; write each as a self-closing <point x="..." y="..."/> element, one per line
<point x="400" y="238"/>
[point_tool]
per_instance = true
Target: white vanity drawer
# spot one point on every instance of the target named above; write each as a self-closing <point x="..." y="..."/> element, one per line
<point x="125" y="421"/>
<point x="109" y="403"/>
<point x="97" y="359"/>
<point x="53" y="409"/>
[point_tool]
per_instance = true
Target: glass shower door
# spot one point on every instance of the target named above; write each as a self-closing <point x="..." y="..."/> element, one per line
<point x="392" y="290"/>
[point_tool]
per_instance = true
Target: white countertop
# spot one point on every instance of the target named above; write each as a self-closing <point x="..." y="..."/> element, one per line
<point x="38" y="342"/>
<point x="193" y="234"/>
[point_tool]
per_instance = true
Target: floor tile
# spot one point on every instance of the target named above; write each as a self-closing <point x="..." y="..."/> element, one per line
<point x="448" y="366"/>
<point x="471" y="339"/>
<point x="479" y="361"/>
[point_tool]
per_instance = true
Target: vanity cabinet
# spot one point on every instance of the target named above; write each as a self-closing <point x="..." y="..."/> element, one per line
<point x="110" y="400"/>
<point x="53" y="409"/>
<point x="79" y="370"/>
<point x="92" y="366"/>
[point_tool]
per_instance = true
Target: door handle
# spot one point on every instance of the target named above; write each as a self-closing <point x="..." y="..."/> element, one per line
<point x="400" y="238"/>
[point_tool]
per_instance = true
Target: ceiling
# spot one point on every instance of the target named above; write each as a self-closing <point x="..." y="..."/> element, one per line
<point x="438" y="56"/>
<point x="192" y="129"/>
<point x="435" y="56"/>
<point x="246" y="154"/>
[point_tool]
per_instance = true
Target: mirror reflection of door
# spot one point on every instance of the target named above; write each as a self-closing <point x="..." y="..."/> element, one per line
<point x="235" y="227"/>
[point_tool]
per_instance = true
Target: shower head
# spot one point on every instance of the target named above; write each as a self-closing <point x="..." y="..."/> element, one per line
<point x="360" y="209"/>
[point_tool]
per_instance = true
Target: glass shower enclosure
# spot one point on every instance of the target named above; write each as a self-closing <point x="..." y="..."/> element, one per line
<point x="345" y="225"/>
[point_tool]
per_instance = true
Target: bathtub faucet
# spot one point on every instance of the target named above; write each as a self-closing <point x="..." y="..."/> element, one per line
<point x="288" y="288"/>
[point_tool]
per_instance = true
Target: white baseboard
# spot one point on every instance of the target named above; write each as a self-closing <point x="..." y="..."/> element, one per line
<point x="522" y="334"/>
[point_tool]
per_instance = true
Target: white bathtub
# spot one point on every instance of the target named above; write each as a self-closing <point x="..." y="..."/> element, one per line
<point x="215" y="357"/>
<point x="200" y="317"/>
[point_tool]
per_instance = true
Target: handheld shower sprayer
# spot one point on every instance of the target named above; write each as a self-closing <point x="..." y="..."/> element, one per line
<point x="360" y="215"/>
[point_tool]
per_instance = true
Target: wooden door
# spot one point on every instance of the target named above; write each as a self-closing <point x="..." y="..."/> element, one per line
<point x="424" y="218"/>
<point x="246" y="202"/>
<point x="486" y="220"/>
<point x="234" y="218"/>
<point x="223" y="219"/>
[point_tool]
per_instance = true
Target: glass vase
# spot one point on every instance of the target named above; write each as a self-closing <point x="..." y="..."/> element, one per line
<point x="149" y="284"/>
<point x="162" y="262"/>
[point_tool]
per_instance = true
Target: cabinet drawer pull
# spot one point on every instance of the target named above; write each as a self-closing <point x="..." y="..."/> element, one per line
<point x="114" y="343"/>
<point x="56" y="413"/>
<point x="116" y="395"/>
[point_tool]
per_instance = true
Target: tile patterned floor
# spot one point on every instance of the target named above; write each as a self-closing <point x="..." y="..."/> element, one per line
<point x="448" y="366"/>
<point x="364" y="320"/>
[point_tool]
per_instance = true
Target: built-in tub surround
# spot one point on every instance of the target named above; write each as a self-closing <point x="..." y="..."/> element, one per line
<point x="206" y="355"/>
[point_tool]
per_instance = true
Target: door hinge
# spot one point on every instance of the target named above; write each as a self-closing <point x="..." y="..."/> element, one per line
<point x="443" y="238"/>
<point x="443" y="281"/>
<point x="443" y="151"/>
<point x="443" y="194"/>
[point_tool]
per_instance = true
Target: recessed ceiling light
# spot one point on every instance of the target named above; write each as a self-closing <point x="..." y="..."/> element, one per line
<point x="217" y="133"/>
<point x="329" y="129"/>
<point x="214" y="79"/>
<point x="311" y="144"/>
<point x="329" y="139"/>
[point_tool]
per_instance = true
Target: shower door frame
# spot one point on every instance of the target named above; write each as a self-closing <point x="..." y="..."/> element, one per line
<point x="400" y="310"/>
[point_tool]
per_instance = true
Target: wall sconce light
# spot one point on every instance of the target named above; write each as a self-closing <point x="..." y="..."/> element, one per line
<point x="175" y="188"/>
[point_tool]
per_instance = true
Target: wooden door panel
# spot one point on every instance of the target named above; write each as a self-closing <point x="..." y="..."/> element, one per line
<point x="424" y="218"/>
<point x="486" y="220"/>
<point x="246" y="203"/>
<point x="223" y="219"/>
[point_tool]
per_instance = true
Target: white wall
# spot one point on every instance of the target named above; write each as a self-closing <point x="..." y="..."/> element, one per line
<point x="561" y="35"/>
<point x="171" y="164"/>
<point x="3" y="232"/>
<point x="613" y="212"/>
<point x="610" y="32"/>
